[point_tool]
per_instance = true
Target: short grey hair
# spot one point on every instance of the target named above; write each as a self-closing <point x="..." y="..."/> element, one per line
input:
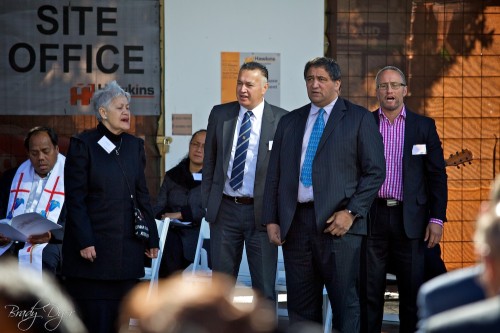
<point x="390" y="68"/>
<point x="104" y="96"/>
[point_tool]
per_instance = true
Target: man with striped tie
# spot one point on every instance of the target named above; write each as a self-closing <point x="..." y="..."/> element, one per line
<point x="237" y="149"/>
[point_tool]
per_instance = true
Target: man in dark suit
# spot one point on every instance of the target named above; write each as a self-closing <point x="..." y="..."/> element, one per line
<point x="237" y="149"/>
<point x="317" y="198"/>
<point x="410" y="208"/>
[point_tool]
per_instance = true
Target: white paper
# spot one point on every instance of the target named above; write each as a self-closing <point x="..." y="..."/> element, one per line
<point x="106" y="144"/>
<point x="271" y="145"/>
<point x="197" y="176"/>
<point x="24" y="225"/>
<point x="419" y="150"/>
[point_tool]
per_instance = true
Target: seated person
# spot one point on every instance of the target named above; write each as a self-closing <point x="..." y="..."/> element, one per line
<point x="180" y="198"/>
<point x="37" y="185"/>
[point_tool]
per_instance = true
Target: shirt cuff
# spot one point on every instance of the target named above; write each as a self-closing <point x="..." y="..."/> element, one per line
<point x="437" y="221"/>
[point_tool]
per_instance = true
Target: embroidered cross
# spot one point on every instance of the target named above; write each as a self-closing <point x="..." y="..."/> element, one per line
<point x="52" y="195"/>
<point x="17" y="190"/>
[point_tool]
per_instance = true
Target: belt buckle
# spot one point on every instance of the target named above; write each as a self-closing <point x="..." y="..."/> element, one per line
<point x="392" y="202"/>
<point x="236" y="201"/>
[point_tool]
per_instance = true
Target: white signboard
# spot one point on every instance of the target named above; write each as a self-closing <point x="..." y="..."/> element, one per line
<point x="55" y="54"/>
<point x="230" y="65"/>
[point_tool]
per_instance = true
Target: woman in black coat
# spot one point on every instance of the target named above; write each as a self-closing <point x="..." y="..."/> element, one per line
<point x="180" y="198"/>
<point x="102" y="258"/>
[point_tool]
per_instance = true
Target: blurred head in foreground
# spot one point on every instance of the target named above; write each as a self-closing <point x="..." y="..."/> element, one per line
<point x="487" y="241"/>
<point x="184" y="305"/>
<point x="31" y="304"/>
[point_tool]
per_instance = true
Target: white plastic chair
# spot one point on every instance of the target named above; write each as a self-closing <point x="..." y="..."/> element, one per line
<point x="200" y="263"/>
<point x="151" y="273"/>
<point x="328" y="318"/>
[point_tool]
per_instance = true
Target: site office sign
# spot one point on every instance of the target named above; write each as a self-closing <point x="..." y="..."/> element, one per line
<point x="55" y="54"/>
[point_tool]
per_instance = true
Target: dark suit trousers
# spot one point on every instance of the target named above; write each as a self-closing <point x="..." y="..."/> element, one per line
<point x="315" y="259"/>
<point x="173" y="259"/>
<point x="386" y="243"/>
<point x="235" y="227"/>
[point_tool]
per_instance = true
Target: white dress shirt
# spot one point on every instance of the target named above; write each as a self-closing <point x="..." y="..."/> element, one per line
<point x="305" y="194"/>
<point x="246" y="190"/>
<point x="36" y="192"/>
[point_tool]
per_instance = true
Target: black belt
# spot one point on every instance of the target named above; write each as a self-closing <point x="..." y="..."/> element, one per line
<point x="239" y="200"/>
<point x="309" y="204"/>
<point x="388" y="202"/>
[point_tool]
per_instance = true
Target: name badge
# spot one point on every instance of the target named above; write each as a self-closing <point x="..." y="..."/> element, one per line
<point x="419" y="150"/>
<point x="197" y="176"/>
<point x="270" y="145"/>
<point x="106" y="144"/>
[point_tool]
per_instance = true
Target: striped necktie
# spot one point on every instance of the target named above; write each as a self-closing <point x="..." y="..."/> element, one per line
<point x="240" y="155"/>
<point x="312" y="146"/>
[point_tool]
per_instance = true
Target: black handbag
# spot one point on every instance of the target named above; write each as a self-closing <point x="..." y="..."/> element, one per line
<point x="141" y="229"/>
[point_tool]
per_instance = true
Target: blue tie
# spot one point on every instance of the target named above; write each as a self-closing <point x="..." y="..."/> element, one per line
<point x="240" y="155"/>
<point x="312" y="146"/>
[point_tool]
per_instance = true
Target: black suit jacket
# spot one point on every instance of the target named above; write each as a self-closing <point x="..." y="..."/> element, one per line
<point x="218" y="144"/>
<point x="425" y="189"/>
<point x="348" y="169"/>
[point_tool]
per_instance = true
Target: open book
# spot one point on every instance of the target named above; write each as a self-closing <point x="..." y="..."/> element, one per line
<point x="24" y="225"/>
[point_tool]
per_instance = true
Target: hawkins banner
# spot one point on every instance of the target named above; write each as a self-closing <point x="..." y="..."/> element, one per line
<point x="55" y="54"/>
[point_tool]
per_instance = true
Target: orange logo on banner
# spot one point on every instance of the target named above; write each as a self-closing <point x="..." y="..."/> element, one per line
<point x="82" y="94"/>
<point x="249" y="59"/>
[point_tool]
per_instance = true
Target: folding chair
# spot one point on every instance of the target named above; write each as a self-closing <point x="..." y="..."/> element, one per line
<point x="200" y="263"/>
<point x="328" y="318"/>
<point x="151" y="273"/>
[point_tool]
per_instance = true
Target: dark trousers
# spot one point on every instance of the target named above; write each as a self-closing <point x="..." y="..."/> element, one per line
<point x="98" y="302"/>
<point x="313" y="260"/>
<point x="388" y="243"/>
<point x="235" y="227"/>
<point x="173" y="259"/>
<point x="434" y="265"/>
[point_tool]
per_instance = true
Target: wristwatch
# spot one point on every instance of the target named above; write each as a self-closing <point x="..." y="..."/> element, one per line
<point x="355" y="215"/>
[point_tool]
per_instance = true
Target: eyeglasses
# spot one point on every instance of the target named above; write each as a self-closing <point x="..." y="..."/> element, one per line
<point x="394" y="85"/>
<point x="197" y="145"/>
